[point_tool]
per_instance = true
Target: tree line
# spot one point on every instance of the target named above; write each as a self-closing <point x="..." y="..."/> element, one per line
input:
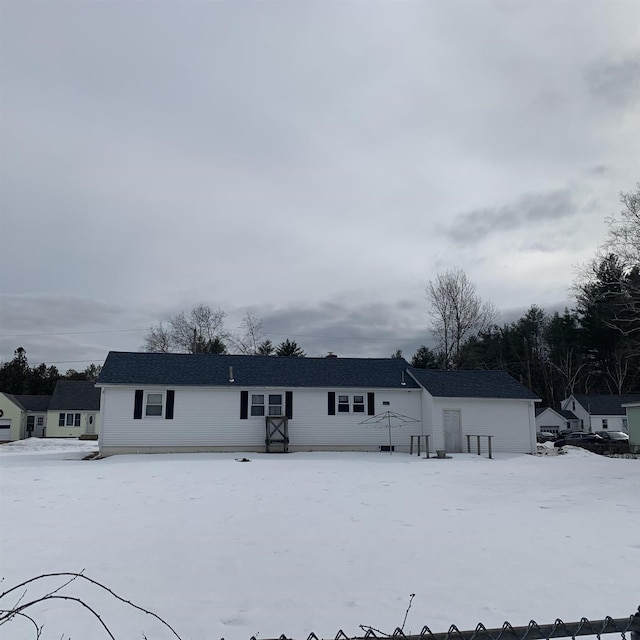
<point x="202" y="330"/>
<point x="17" y="377"/>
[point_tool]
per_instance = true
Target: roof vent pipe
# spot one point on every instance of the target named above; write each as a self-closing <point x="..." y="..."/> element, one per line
<point x="231" y="374"/>
<point x="403" y="381"/>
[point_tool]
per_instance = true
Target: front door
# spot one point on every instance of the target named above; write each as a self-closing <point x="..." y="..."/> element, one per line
<point x="31" y="423"/>
<point x="91" y="424"/>
<point x="452" y="431"/>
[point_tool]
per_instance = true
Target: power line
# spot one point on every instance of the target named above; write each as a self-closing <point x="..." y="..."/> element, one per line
<point x="69" y="333"/>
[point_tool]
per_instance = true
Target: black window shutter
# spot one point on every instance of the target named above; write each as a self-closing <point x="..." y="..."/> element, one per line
<point x="244" y="405"/>
<point x="168" y="411"/>
<point x="137" y="404"/>
<point x="288" y="400"/>
<point x="371" y="403"/>
<point x="331" y="401"/>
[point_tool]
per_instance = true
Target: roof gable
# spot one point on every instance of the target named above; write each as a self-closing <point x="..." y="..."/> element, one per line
<point x="253" y="371"/>
<point x="471" y="384"/>
<point x="78" y="395"/>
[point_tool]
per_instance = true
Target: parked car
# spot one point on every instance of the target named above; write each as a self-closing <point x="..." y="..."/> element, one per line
<point x="615" y="441"/>
<point x="545" y="436"/>
<point x="578" y="438"/>
<point x="613" y="436"/>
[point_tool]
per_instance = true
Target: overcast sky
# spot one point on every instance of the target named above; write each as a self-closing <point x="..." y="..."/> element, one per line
<point x="316" y="163"/>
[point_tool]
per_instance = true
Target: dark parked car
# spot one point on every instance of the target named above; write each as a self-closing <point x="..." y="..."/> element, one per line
<point x="578" y="438"/>
<point x="615" y="441"/>
<point x="545" y="436"/>
<point x="613" y="436"/>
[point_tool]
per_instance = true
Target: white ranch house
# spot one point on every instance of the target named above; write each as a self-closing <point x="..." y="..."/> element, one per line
<point x="161" y="402"/>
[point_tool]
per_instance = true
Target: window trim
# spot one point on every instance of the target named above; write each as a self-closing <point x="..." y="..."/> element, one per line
<point x="146" y="405"/>
<point x="345" y="403"/>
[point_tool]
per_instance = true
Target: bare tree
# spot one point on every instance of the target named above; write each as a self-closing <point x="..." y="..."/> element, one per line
<point x="249" y="339"/>
<point x="623" y="238"/>
<point x="190" y="332"/>
<point x="158" y="340"/>
<point x="456" y="312"/>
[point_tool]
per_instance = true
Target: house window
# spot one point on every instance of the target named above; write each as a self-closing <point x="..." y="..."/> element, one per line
<point x="353" y="404"/>
<point x="153" y="406"/>
<point x="625" y="425"/>
<point x="275" y="404"/>
<point x="605" y="423"/>
<point x="40" y="421"/>
<point x="257" y="404"/>
<point x="573" y="406"/>
<point x="68" y="420"/>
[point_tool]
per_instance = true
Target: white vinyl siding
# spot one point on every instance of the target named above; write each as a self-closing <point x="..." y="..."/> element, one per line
<point x="210" y="418"/>
<point x="510" y="422"/>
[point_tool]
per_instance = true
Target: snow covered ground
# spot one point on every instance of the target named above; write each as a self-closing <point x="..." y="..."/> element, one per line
<point x="316" y="541"/>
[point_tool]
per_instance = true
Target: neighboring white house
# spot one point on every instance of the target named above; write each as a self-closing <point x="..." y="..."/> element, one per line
<point x="600" y="412"/>
<point x="552" y="421"/>
<point x="159" y="402"/>
<point x="22" y="416"/>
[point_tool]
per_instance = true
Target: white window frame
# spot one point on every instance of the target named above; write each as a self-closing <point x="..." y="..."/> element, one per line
<point x="605" y="423"/>
<point x="266" y="404"/>
<point x="346" y="403"/>
<point x="257" y="409"/>
<point x="146" y="405"/>
<point x="275" y="407"/>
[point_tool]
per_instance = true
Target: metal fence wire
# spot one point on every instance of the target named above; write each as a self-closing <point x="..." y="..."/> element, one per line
<point x="532" y="631"/>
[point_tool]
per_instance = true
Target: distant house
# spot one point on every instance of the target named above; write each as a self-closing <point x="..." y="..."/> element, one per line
<point x="74" y="410"/>
<point x="552" y="421"/>
<point x="159" y="402"/>
<point x="22" y="416"/>
<point x="633" y="423"/>
<point x="600" y="412"/>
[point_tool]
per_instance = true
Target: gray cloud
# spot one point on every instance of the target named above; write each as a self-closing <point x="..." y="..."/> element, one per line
<point x="615" y="83"/>
<point x="301" y="159"/>
<point x="529" y="210"/>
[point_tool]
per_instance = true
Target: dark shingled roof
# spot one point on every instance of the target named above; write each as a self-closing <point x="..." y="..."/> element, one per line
<point x="30" y="402"/>
<point x="253" y="371"/>
<point x="77" y="395"/>
<point x="472" y="384"/>
<point x="606" y="405"/>
<point x="272" y="371"/>
<point x="563" y="413"/>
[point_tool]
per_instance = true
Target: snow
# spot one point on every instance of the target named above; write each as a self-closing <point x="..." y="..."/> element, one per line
<point x="316" y="541"/>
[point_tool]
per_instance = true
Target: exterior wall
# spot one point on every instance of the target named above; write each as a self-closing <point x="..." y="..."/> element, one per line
<point x="12" y="417"/>
<point x="571" y="404"/>
<point x="511" y="422"/>
<point x="55" y="431"/>
<point x="207" y="418"/>
<point x="633" y="417"/>
<point x="614" y="423"/>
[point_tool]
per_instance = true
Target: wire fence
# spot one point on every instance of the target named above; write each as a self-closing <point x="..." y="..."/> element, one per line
<point x="532" y="631"/>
